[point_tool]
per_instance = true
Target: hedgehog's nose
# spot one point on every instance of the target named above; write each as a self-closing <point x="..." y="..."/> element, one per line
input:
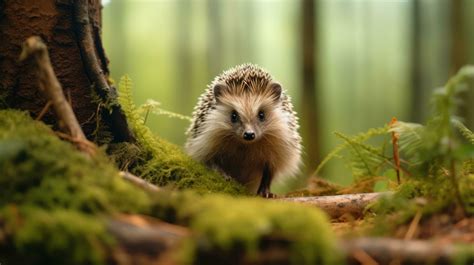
<point x="249" y="136"/>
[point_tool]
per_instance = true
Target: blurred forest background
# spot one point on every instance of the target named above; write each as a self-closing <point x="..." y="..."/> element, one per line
<point x="348" y="64"/>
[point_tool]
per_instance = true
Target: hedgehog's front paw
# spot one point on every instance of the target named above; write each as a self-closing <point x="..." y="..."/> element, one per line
<point x="267" y="195"/>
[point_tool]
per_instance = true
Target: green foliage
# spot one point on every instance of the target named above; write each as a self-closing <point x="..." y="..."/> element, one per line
<point x="437" y="162"/>
<point x="440" y="170"/>
<point x="434" y="145"/>
<point x="161" y="162"/>
<point x="353" y="142"/>
<point x="366" y="160"/>
<point x="468" y="134"/>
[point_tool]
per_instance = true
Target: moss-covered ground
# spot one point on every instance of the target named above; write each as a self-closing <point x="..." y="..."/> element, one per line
<point x="55" y="201"/>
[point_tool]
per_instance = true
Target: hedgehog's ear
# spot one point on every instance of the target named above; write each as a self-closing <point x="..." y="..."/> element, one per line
<point x="219" y="89"/>
<point x="275" y="89"/>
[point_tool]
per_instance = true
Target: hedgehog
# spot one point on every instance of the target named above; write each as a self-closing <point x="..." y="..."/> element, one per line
<point x="244" y="127"/>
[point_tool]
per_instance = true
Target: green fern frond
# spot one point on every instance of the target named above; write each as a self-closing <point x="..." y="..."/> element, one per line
<point x="446" y="102"/>
<point x="365" y="159"/>
<point x="143" y="133"/>
<point x="358" y="138"/>
<point x="468" y="134"/>
<point x="125" y="98"/>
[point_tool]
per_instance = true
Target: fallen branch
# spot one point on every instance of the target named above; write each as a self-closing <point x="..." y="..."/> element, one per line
<point x="397" y="251"/>
<point x="339" y="205"/>
<point x="51" y="88"/>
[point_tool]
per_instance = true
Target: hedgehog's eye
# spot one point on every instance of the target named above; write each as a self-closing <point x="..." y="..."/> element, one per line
<point x="261" y="115"/>
<point x="234" y="117"/>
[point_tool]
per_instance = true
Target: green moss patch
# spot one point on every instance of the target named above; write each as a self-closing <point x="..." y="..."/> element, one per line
<point x="41" y="170"/>
<point x="52" y="197"/>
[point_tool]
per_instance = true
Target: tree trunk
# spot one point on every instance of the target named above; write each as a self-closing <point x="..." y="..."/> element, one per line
<point x="417" y="99"/>
<point x="459" y="54"/>
<point x="308" y="99"/>
<point x="71" y="31"/>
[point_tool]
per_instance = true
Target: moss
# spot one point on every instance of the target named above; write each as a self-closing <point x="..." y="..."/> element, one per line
<point x="227" y="227"/>
<point x="161" y="162"/>
<point x="53" y="201"/>
<point x="55" y="236"/>
<point x="47" y="172"/>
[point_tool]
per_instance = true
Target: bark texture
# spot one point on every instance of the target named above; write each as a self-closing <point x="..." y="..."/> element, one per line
<point x="71" y="31"/>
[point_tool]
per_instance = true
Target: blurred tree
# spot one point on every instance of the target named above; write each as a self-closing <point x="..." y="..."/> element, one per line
<point x="417" y="98"/>
<point x="309" y="104"/>
<point x="458" y="52"/>
<point x="458" y="36"/>
<point x="117" y="27"/>
<point x="214" y="36"/>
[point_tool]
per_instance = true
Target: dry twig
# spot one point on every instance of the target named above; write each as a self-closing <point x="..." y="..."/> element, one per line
<point x="396" y="153"/>
<point x="50" y="86"/>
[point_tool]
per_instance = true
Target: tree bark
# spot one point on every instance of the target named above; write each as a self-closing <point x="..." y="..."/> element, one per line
<point x="71" y="31"/>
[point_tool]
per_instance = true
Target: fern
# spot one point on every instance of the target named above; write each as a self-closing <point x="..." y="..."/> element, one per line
<point x="360" y="138"/>
<point x="126" y="99"/>
<point x="468" y="134"/>
<point x="143" y="133"/>
<point x="411" y="139"/>
<point x="433" y="146"/>
<point x="439" y="133"/>
<point x="365" y="159"/>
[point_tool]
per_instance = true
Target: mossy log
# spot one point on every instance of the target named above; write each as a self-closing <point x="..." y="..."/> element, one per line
<point x="153" y="240"/>
<point x="339" y="205"/>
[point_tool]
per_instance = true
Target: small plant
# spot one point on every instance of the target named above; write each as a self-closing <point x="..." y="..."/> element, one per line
<point x="153" y="106"/>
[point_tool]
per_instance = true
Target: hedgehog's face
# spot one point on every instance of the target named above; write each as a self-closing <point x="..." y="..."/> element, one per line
<point x="248" y="114"/>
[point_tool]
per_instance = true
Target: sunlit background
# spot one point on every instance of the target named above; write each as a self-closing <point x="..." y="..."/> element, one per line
<point x="373" y="59"/>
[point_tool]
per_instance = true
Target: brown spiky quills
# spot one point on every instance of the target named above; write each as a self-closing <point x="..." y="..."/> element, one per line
<point x="244" y="126"/>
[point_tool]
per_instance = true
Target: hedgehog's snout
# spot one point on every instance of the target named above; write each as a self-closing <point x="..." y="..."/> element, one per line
<point x="249" y="135"/>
